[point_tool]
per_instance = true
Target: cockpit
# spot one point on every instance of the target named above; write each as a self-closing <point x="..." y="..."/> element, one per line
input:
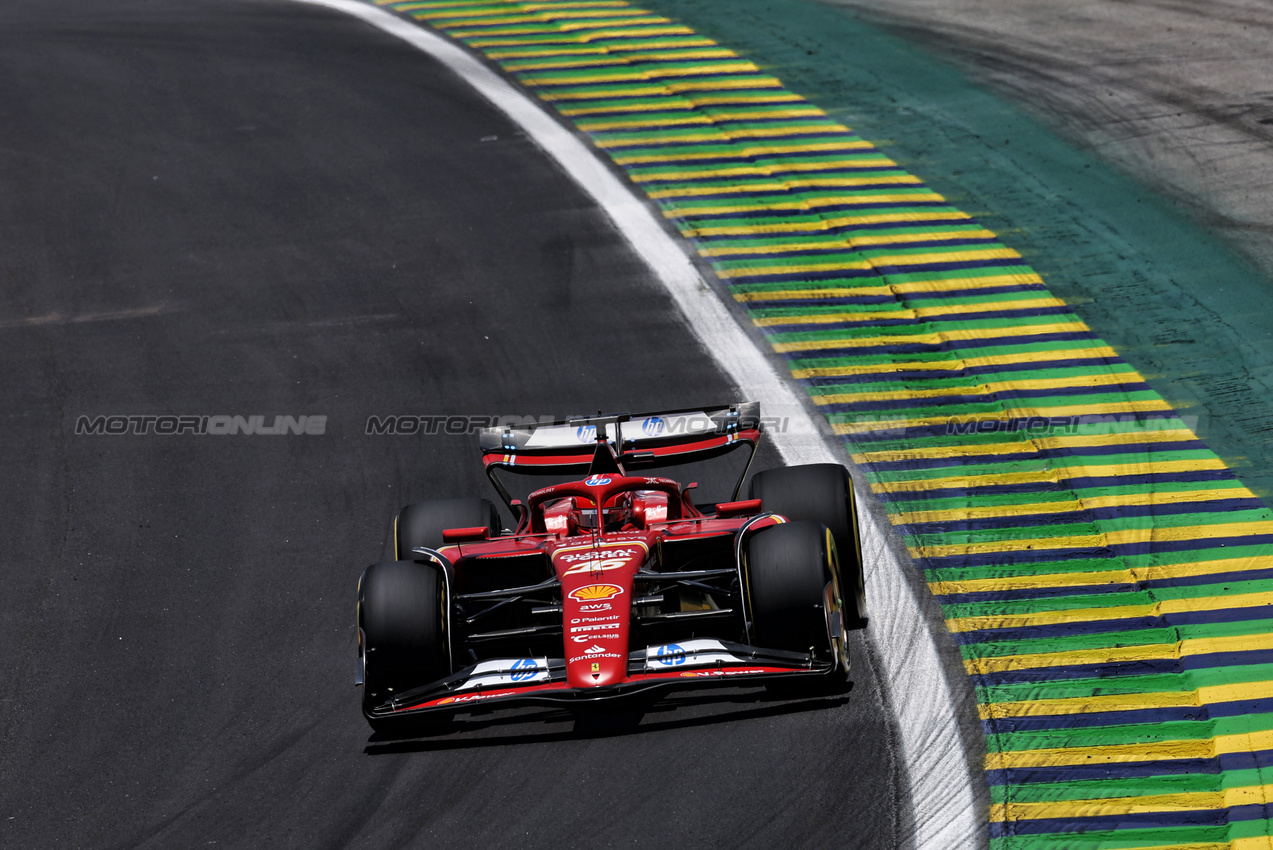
<point x="633" y="508"/>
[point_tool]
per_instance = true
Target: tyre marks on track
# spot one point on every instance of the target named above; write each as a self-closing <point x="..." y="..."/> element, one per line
<point x="1104" y="573"/>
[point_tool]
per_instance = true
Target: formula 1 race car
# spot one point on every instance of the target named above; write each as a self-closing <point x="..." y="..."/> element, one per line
<point x="614" y="583"/>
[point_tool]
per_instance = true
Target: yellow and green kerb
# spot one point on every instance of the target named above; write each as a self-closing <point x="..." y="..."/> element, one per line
<point x="1105" y="575"/>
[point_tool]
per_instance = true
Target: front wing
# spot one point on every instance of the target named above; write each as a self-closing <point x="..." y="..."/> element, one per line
<point x="529" y="681"/>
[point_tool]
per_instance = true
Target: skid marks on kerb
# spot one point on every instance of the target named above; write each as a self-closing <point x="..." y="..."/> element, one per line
<point x="1106" y="575"/>
<point x="932" y="759"/>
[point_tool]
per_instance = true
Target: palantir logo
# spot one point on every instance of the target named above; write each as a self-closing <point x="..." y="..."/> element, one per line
<point x="653" y="427"/>
<point x="586" y="433"/>
<point x="523" y="669"/>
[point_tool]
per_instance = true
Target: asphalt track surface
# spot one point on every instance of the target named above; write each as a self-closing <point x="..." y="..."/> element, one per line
<point x="1178" y="93"/>
<point x="1178" y="96"/>
<point x="259" y="208"/>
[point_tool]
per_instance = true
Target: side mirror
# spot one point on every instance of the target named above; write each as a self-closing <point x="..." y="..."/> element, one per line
<point x="747" y="507"/>
<point x="466" y="535"/>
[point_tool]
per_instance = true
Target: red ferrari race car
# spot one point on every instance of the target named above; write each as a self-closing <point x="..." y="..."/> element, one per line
<point x="615" y="582"/>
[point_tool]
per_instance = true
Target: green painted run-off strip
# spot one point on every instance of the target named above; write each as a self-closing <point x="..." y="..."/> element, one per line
<point x="1104" y="572"/>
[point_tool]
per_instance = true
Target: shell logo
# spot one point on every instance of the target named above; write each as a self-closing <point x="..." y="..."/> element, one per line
<point x="595" y="592"/>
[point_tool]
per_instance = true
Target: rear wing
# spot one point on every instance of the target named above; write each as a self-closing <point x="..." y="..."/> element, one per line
<point x="640" y="440"/>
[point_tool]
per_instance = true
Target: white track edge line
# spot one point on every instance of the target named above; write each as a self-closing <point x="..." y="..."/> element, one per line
<point x="946" y="814"/>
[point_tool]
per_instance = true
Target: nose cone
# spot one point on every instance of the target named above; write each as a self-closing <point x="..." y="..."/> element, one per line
<point x="596" y="585"/>
<point x="608" y="675"/>
<point x="592" y="670"/>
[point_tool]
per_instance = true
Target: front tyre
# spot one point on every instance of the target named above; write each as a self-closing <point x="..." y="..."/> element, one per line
<point x="794" y="596"/>
<point x="401" y="613"/>
<point x="422" y="523"/>
<point x="821" y="493"/>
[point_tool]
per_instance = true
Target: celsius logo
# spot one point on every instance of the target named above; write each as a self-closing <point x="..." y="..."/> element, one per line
<point x="597" y="481"/>
<point x="586" y="433"/>
<point x="653" y="426"/>
<point x="595" y="592"/>
<point x="524" y="668"/>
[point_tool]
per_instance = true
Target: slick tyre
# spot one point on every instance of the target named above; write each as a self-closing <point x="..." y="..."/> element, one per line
<point x="422" y="523"/>
<point x="821" y="493"/>
<point x="787" y="572"/>
<point x="402" y="617"/>
<point x="789" y="569"/>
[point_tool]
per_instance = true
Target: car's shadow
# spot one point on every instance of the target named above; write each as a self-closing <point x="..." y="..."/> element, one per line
<point x="681" y="711"/>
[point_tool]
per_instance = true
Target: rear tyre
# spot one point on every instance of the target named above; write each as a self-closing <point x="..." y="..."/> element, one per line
<point x="402" y="618"/>
<point x="791" y="594"/>
<point x="821" y="493"/>
<point x="422" y="523"/>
